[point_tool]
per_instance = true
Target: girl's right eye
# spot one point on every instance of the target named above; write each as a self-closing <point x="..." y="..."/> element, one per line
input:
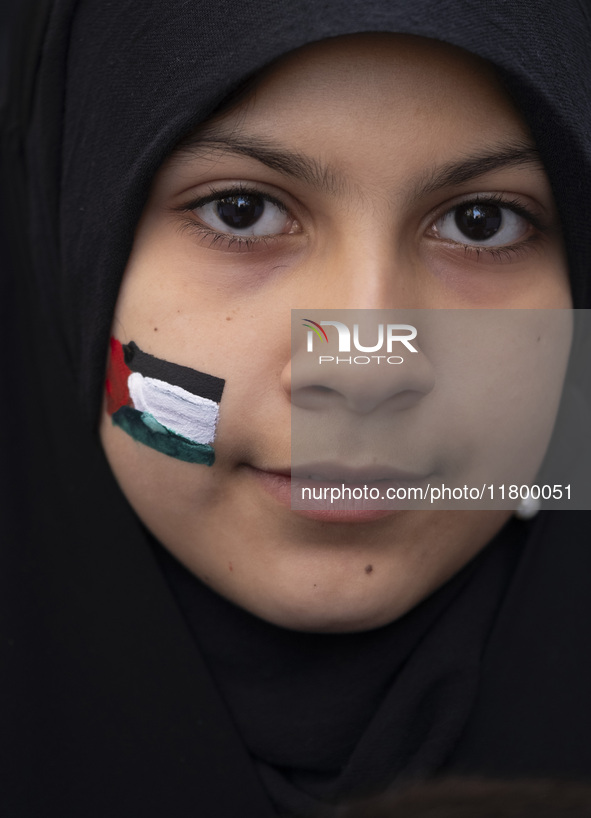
<point x="244" y="213"/>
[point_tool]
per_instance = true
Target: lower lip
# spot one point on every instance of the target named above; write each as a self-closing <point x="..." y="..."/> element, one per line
<point x="279" y="487"/>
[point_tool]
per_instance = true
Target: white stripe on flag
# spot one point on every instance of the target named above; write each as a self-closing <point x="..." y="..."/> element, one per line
<point x="180" y="411"/>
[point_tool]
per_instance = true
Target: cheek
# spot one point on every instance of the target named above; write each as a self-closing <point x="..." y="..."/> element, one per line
<point x="538" y="281"/>
<point x="509" y="382"/>
<point x="170" y="496"/>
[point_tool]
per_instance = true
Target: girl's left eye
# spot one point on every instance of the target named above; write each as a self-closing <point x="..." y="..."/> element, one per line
<point x="483" y="224"/>
<point x="244" y="213"/>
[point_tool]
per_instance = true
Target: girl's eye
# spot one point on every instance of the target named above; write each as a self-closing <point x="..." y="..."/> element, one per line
<point x="244" y="213"/>
<point x="481" y="224"/>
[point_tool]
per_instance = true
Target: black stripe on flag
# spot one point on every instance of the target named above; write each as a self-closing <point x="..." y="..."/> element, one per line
<point x="198" y="383"/>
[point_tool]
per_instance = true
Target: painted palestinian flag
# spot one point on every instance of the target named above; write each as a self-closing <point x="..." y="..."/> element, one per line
<point x="171" y="408"/>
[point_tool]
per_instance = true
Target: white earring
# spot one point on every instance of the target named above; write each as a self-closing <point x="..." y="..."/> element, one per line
<point x="528" y="508"/>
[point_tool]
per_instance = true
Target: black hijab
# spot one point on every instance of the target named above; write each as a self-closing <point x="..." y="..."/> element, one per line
<point x="112" y="703"/>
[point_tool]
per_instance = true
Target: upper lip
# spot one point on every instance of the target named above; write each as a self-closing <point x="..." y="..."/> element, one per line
<point x="344" y="473"/>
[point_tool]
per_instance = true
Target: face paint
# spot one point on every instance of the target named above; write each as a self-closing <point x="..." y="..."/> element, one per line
<point x="171" y="408"/>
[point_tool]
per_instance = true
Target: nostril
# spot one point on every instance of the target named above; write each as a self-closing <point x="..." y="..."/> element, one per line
<point x="364" y="403"/>
<point x="314" y="396"/>
<point x="404" y="400"/>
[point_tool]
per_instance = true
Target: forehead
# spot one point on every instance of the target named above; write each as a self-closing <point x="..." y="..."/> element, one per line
<point x="428" y="76"/>
<point x="357" y="107"/>
<point x="396" y="64"/>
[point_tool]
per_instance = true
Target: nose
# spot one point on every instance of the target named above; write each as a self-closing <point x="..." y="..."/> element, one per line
<point x="355" y="354"/>
<point x="357" y="360"/>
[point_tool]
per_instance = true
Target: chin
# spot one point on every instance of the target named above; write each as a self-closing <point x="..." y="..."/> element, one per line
<point x="322" y="620"/>
<point x="341" y="610"/>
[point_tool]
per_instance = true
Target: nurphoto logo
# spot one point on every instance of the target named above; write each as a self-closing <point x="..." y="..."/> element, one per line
<point x="387" y="336"/>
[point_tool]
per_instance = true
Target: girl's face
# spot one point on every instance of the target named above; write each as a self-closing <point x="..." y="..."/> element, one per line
<point x="350" y="178"/>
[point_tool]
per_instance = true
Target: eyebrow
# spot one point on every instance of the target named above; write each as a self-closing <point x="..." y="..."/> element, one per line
<point x="456" y="173"/>
<point x="287" y="162"/>
<point x="328" y="179"/>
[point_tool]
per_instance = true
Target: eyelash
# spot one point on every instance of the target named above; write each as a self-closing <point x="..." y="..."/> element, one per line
<point x="229" y="240"/>
<point x="240" y="243"/>
<point x="508" y="252"/>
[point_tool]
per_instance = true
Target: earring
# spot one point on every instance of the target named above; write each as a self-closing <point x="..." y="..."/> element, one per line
<point x="528" y="508"/>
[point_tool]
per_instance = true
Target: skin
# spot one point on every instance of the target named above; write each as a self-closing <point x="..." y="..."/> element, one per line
<point x="372" y="236"/>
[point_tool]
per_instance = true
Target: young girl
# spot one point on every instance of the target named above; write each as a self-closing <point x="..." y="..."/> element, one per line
<point x="180" y="641"/>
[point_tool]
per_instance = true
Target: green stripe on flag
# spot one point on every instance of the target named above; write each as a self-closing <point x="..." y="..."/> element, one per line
<point x="143" y="427"/>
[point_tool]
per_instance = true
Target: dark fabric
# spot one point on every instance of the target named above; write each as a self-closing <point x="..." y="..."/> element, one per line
<point x="328" y="715"/>
<point x="107" y="706"/>
<point x="530" y="716"/>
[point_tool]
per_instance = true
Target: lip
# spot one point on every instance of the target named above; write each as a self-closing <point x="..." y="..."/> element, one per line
<point x="353" y="474"/>
<point x="281" y="483"/>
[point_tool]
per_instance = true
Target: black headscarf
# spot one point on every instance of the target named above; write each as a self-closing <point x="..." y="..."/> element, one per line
<point x="115" y="701"/>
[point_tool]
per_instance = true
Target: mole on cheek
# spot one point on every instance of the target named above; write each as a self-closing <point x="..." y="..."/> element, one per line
<point x="368" y="569"/>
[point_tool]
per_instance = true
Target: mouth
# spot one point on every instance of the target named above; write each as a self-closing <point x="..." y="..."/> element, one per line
<point x="353" y="475"/>
<point x="336" y="492"/>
